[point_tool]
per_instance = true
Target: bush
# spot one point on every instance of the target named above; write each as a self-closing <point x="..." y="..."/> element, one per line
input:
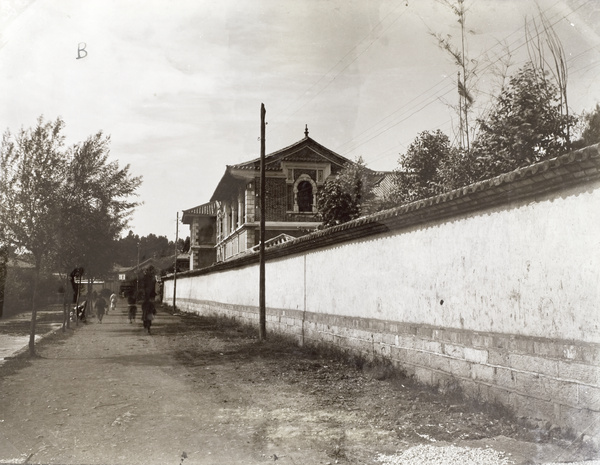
<point x="18" y="290"/>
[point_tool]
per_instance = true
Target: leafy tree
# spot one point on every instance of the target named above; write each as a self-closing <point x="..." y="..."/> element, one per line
<point x="547" y="53"/>
<point x="342" y="197"/>
<point x="183" y="245"/>
<point x="420" y="172"/>
<point x="525" y="126"/>
<point x="591" y="128"/>
<point x="64" y="207"/>
<point x="95" y="209"/>
<point x="458" y="169"/>
<point x="31" y="167"/>
<point x="336" y="205"/>
<point x="149" y="246"/>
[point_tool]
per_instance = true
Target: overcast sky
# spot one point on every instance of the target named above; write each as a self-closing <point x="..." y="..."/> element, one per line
<point x="178" y="84"/>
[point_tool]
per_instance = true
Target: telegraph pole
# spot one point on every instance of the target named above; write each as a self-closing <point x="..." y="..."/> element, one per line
<point x="262" y="332"/>
<point x="175" y="267"/>
<point x="137" y="273"/>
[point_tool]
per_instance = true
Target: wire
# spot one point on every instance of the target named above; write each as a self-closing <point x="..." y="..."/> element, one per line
<point x="341" y="61"/>
<point x="436" y="97"/>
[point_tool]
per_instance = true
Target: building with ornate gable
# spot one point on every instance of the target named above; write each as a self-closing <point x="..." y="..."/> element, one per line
<point x="229" y="224"/>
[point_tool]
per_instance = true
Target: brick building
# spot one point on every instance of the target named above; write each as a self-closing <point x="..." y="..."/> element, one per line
<point x="228" y="225"/>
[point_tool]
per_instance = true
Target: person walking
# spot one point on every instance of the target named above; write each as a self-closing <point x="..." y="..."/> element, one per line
<point x="132" y="308"/>
<point x="113" y="303"/>
<point x="148" y="312"/>
<point x="100" y="308"/>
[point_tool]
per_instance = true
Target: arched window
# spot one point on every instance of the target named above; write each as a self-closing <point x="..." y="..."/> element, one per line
<point x="305" y="196"/>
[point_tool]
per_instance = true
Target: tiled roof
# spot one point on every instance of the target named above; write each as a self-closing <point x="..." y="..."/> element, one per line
<point x="277" y="240"/>
<point x="383" y="183"/>
<point x="306" y="149"/>
<point x="208" y="209"/>
<point x="160" y="263"/>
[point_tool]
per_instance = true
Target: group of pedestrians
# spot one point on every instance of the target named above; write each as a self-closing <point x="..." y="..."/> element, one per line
<point x="148" y="310"/>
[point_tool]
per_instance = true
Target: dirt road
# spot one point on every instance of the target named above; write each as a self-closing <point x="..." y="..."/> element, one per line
<point x="203" y="391"/>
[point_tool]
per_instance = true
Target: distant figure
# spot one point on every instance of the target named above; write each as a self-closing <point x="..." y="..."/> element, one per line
<point x="148" y="312"/>
<point x="80" y="310"/>
<point x="100" y="308"/>
<point x="132" y="308"/>
<point x="113" y="303"/>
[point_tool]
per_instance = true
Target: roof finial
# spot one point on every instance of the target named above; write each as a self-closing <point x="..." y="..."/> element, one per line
<point x="306" y="131"/>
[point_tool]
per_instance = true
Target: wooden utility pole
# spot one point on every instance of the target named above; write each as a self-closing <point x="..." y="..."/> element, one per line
<point x="262" y="332"/>
<point x="175" y="267"/>
<point x="137" y="273"/>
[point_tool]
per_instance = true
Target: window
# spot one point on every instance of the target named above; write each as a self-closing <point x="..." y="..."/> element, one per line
<point x="305" y="196"/>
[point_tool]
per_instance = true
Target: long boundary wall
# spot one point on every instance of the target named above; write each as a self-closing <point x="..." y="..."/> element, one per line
<point x="493" y="288"/>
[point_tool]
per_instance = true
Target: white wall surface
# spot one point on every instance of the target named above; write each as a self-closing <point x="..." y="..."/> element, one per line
<point x="529" y="268"/>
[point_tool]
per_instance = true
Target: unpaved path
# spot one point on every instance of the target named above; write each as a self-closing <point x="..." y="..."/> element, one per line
<point x="110" y="393"/>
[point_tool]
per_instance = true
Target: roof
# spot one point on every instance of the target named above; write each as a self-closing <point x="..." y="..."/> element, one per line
<point x="280" y="239"/>
<point x="206" y="209"/>
<point x="305" y="150"/>
<point x="383" y="183"/>
<point x="159" y="263"/>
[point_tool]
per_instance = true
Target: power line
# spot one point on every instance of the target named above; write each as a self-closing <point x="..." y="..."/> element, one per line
<point x="436" y="97"/>
<point x="341" y="61"/>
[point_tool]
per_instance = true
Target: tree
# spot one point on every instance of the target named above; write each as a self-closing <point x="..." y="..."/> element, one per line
<point x="467" y="68"/>
<point x="96" y="204"/>
<point x="458" y="169"/>
<point x="64" y="207"/>
<point x="419" y="174"/>
<point x="526" y="125"/>
<point x="336" y="205"/>
<point x="546" y="41"/>
<point x="31" y="167"/>
<point x="183" y="245"/>
<point x="591" y="128"/>
<point x="342" y="197"/>
<point x="149" y="246"/>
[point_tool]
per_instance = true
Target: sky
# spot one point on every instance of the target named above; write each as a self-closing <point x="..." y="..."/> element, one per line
<point x="178" y="85"/>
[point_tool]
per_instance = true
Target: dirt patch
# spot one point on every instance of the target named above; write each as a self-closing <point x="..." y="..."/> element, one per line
<point x="206" y="391"/>
<point x="365" y="403"/>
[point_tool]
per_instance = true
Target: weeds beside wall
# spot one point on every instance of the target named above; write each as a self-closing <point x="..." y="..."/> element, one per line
<point x="494" y="288"/>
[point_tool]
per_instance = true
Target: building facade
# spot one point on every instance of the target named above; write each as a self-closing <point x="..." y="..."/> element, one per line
<point x="228" y="225"/>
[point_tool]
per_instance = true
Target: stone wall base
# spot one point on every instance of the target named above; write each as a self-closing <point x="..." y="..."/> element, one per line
<point x="537" y="378"/>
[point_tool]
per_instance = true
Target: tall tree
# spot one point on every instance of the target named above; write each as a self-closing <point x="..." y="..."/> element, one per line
<point x="466" y="68"/>
<point x="31" y="175"/>
<point x="526" y="125"/>
<point x="96" y="205"/>
<point x="102" y="198"/>
<point x="546" y="51"/>
<point x="64" y="207"/>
